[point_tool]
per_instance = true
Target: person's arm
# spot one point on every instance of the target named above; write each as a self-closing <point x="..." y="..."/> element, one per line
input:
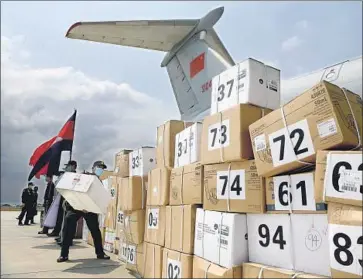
<point x="23" y="196"/>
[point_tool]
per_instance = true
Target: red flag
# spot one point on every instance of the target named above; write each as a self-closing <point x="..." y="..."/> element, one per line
<point x="197" y="65"/>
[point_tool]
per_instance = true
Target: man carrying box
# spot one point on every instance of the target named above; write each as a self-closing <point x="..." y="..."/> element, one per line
<point x="70" y="223"/>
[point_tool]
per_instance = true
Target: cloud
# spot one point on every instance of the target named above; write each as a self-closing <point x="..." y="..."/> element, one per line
<point x="302" y="24"/>
<point x="291" y="43"/>
<point x="36" y="102"/>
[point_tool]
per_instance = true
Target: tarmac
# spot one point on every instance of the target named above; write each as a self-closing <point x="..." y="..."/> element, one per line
<point x="25" y="254"/>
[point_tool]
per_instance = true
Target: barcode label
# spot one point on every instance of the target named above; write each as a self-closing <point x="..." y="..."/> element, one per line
<point x="349" y="188"/>
<point x="260" y="143"/>
<point x="224" y="242"/>
<point x="327" y="128"/>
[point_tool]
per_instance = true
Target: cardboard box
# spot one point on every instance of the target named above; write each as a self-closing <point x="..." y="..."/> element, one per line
<point x="159" y="181"/>
<point x="233" y="187"/>
<point x="345" y="240"/>
<point x="132" y="193"/>
<point x="205" y="269"/>
<point x="255" y="270"/>
<point x="187" y="145"/>
<point x="131" y="226"/>
<point x="221" y="237"/>
<point x="318" y="119"/>
<point x="225" y="134"/>
<point x="110" y="217"/>
<point x="341" y="181"/>
<point x="142" y="160"/>
<point x="132" y="255"/>
<point x="270" y="239"/>
<point x="109" y="243"/>
<point x="177" y="265"/>
<point x="310" y="243"/>
<point x="90" y="238"/>
<point x="186" y="185"/>
<point x="180" y="228"/>
<point x="153" y="261"/>
<point x="165" y="146"/>
<point x="155" y="225"/>
<point x="305" y="195"/>
<point x="84" y="192"/>
<point x="248" y="82"/>
<point x="122" y="163"/>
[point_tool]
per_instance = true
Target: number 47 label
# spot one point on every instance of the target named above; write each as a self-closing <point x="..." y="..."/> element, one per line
<point x="291" y="143"/>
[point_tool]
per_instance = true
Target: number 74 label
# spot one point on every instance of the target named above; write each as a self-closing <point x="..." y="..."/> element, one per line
<point x="231" y="185"/>
<point x="291" y="143"/>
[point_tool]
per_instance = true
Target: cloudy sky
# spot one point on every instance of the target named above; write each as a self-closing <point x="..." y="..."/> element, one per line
<point x="122" y="94"/>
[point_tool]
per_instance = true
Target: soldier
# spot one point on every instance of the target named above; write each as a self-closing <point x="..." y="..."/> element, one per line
<point x="70" y="223"/>
<point x="48" y="199"/>
<point x="26" y="199"/>
<point x="34" y="211"/>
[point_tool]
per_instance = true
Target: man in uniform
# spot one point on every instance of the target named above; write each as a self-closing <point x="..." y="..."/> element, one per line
<point x="70" y="223"/>
<point x="26" y="199"/>
<point x="48" y="199"/>
<point x="34" y="211"/>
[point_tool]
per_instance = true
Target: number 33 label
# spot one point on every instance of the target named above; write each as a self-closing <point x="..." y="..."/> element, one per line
<point x="346" y="248"/>
<point x="283" y="152"/>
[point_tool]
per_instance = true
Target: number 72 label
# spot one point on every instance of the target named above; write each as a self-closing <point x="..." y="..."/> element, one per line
<point x="291" y="143"/>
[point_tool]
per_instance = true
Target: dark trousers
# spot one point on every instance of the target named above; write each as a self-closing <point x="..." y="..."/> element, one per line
<point x="46" y="208"/>
<point x="60" y="215"/>
<point x="26" y="209"/>
<point x="69" y="230"/>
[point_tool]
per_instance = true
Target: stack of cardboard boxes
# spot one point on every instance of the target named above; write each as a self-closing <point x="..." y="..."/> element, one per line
<point x="254" y="191"/>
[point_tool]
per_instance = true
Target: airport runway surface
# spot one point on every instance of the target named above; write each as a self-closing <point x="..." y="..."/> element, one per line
<point x="25" y="254"/>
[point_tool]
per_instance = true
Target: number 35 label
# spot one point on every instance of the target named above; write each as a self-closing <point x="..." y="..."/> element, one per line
<point x="231" y="185"/>
<point x="346" y="248"/>
<point x="290" y="144"/>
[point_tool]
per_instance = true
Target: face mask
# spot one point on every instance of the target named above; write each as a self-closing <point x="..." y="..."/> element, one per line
<point x="98" y="171"/>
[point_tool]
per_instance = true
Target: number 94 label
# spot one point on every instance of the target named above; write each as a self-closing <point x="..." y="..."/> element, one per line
<point x="345" y="244"/>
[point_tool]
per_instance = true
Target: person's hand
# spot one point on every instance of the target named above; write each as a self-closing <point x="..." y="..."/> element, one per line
<point x="23" y="204"/>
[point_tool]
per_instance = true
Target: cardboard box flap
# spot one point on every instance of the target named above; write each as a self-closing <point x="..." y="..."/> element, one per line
<point x="341" y="214"/>
<point x="205" y="269"/>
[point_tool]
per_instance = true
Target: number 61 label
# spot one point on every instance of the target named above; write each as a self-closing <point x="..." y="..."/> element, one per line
<point x="345" y="244"/>
<point x="290" y="144"/>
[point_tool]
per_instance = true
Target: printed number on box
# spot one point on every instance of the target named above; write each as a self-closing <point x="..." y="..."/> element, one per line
<point x="182" y="147"/>
<point x="231" y="185"/>
<point x="346" y="248"/>
<point x="301" y="196"/>
<point x="218" y="135"/>
<point x="153" y="218"/>
<point x="344" y="176"/>
<point x="225" y="89"/>
<point x="173" y="269"/>
<point x="120" y="217"/>
<point x="290" y="144"/>
<point x="135" y="161"/>
<point x="128" y="253"/>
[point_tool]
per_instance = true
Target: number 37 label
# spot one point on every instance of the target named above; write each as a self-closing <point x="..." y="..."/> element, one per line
<point x="291" y="143"/>
<point x="345" y="244"/>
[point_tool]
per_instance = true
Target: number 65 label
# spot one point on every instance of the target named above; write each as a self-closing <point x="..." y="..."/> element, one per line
<point x="346" y="248"/>
<point x="290" y="144"/>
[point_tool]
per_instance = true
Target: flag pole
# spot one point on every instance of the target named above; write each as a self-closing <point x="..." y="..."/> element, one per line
<point x="74" y="132"/>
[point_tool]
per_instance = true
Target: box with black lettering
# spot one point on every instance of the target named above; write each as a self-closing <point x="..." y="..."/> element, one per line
<point x="155" y="225"/>
<point x="296" y="241"/>
<point x="177" y="264"/>
<point x="234" y="187"/>
<point x="345" y="240"/>
<point x="142" y="160"/>
<point x="339" y="176"/>
<point x="296" y="193"/>
<point x="225" y="136"/>
<point x="323" y="117"/>
<point x="132" y="255"/>
<point x="248" y="82"/>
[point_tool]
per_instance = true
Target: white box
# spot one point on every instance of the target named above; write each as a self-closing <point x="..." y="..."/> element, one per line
<point x="84" y="192"/>
<point x="310" y="243"/>
<point x="270" y="240"/>
<point x="142" y="160"/>
<point x="187" y="145"/>
<point x="85" y="231"/>
<point x="221" y="238"/>
<point x="248" y="82"/>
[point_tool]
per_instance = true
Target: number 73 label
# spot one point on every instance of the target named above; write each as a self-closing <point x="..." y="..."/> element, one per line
<point x="291" y="143"/>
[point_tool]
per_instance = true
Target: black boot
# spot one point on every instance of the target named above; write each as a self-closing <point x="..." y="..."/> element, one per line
<point x="103" y="257"/>
<point x="62" y="259"/>
<point x="20" y="224"/>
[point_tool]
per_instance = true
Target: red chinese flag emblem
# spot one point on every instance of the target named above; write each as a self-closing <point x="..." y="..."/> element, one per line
<point x="197" y="65"/>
